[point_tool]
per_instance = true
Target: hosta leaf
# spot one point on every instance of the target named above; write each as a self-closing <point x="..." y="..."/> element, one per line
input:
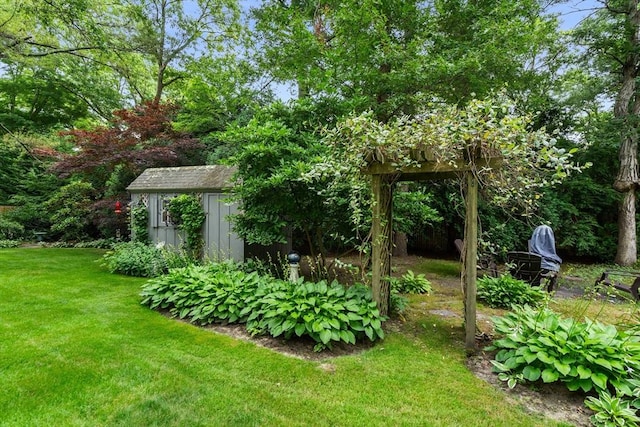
<point x="573" y="385"/>
<point x="530" y="357"/>
<point x="511" y="363"/>
<point x="368" y="330"/>
<point x="325" y="336"/>
<point x="603" y="362"/>
<point x="288" y="324"/>
<point x="599" y="380"/>
<point x="335" y="323"/>
<point x="550" y="376"/>
<point x="561" y="367"/>
<point x="586" y="385"/>
<point x="545" y="358"/>
<point x="354" y="316"/>
<point x="531" y="373"/>
<point x="300" y="329"/>
<point x="348" y="336"/>
<point x="584" y="372"/>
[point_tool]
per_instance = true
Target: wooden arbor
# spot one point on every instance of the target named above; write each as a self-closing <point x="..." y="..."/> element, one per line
<point x="384" y="176"/>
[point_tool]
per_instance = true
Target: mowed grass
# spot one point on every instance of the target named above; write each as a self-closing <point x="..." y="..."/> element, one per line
<point x="77" y="349"/>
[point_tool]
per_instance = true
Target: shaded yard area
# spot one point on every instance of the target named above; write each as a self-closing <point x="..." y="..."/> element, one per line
<point x="77" y="348"/>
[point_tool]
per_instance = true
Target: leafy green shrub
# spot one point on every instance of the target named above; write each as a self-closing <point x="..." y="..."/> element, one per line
<point x="9" y="243"/>
<point x="224" y="293"/>
<point x="135" y="259"/>
<point x="70" y="209"/>
<point x="9" y="229"/>
<point x="96" y="244"/>
<point x="411" y="283"/>
<point x="611" y="411"/>
<point x="205" y="294"/>
<point x="325" y="312"/>
<point x="506" y="292"/>
<point x="398" y="303"/>
<point x="584" y="355"/>
<point x="139" y="223"/>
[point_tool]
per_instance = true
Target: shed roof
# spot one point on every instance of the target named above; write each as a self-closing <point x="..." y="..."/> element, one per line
<point x="184" y="179"/>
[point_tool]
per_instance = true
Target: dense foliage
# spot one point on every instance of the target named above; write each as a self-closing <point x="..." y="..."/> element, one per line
<point x="135" y="259"/>
<point x="224" y="293"/>
<point x="589" y="356"/>
<point x="188" y="214"/>
<point x="506" y="292"/>
<point x="103" y="75"/>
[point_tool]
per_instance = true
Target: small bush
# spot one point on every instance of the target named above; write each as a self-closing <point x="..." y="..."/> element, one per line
<point x="224" y="293"/>
<point x="204" y="294"/>
<point x="612" y="411"/>
<point x="9" y="244"/>
<point x="507" y="292"/>
<point x="325" y="312"/>
<point x="411" y="283"/>
<point x="10" y="230"/>
<point x="135" y="259"/>
<point x="539" y="345"/>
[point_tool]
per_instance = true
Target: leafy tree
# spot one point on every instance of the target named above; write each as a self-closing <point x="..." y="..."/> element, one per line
<point x="31" y="100"/>
<point x="612" y="38"/>
<point x="170" y="32"/>
<point x="70" y="207"/>
<point x="389" y="56"/>
<point x="111" y="157"/>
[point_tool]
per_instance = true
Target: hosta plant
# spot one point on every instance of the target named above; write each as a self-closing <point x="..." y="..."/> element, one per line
<point x="135" y="259"/>
<point x="411" y="283"/>
<point x="506" y="292"/>
<point x="587" y="356"/>
<point x="204" y="294"/>
<point x="223" y="293"/>
<point x="325" y="312"/>
<point x="611" y="411"/>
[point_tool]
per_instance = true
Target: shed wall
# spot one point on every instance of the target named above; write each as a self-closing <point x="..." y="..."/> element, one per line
<point x="220" y="240"/>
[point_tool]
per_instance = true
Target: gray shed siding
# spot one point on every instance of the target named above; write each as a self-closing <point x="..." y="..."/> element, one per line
<point x="155" y="187"/>
<point x="220" y="240"/>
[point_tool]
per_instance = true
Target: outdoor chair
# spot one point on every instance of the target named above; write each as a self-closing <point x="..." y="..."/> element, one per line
<point x="486" y="264"/>
<point x="526" y="266"/>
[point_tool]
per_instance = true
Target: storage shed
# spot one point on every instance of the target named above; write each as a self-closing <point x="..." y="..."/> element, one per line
<point x="155" y="187"/>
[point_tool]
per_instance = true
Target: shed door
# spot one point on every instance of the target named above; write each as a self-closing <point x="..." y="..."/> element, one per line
<point x="220" y="241"/>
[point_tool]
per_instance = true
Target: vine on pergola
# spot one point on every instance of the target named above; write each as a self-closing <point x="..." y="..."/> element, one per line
<point x="450" y="136"/>
<point x="483" y="141"/>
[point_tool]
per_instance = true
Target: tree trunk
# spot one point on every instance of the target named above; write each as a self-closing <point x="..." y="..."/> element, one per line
<point x="627" y="251"/>
<point x="400" y="244"/>
<point x="627" y="106"/>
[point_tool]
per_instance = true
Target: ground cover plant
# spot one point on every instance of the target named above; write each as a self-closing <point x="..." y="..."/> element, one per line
<point x="540" y="345"/>
<point x="222" y="292"/>
<point x="505" y="292"/>
<point x="78" y="348"/>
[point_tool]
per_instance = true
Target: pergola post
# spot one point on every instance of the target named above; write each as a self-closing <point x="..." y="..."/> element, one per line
<point x="381" y="240"/>
<point x="470" y="273"/>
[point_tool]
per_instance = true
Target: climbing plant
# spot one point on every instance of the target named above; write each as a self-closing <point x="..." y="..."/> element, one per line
<point x="188" y="214"/>
<point x="531" y="160"/>
<point x="139" y="223"/>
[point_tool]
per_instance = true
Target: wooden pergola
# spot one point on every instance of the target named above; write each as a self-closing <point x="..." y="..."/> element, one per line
<point x="384" y="176"/>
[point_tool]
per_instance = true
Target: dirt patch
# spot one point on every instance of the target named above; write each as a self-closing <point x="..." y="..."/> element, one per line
<point x="301" y="348"/>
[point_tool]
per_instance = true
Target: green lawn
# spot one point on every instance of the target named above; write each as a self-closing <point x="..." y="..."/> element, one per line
<point x="77" y="349"/>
